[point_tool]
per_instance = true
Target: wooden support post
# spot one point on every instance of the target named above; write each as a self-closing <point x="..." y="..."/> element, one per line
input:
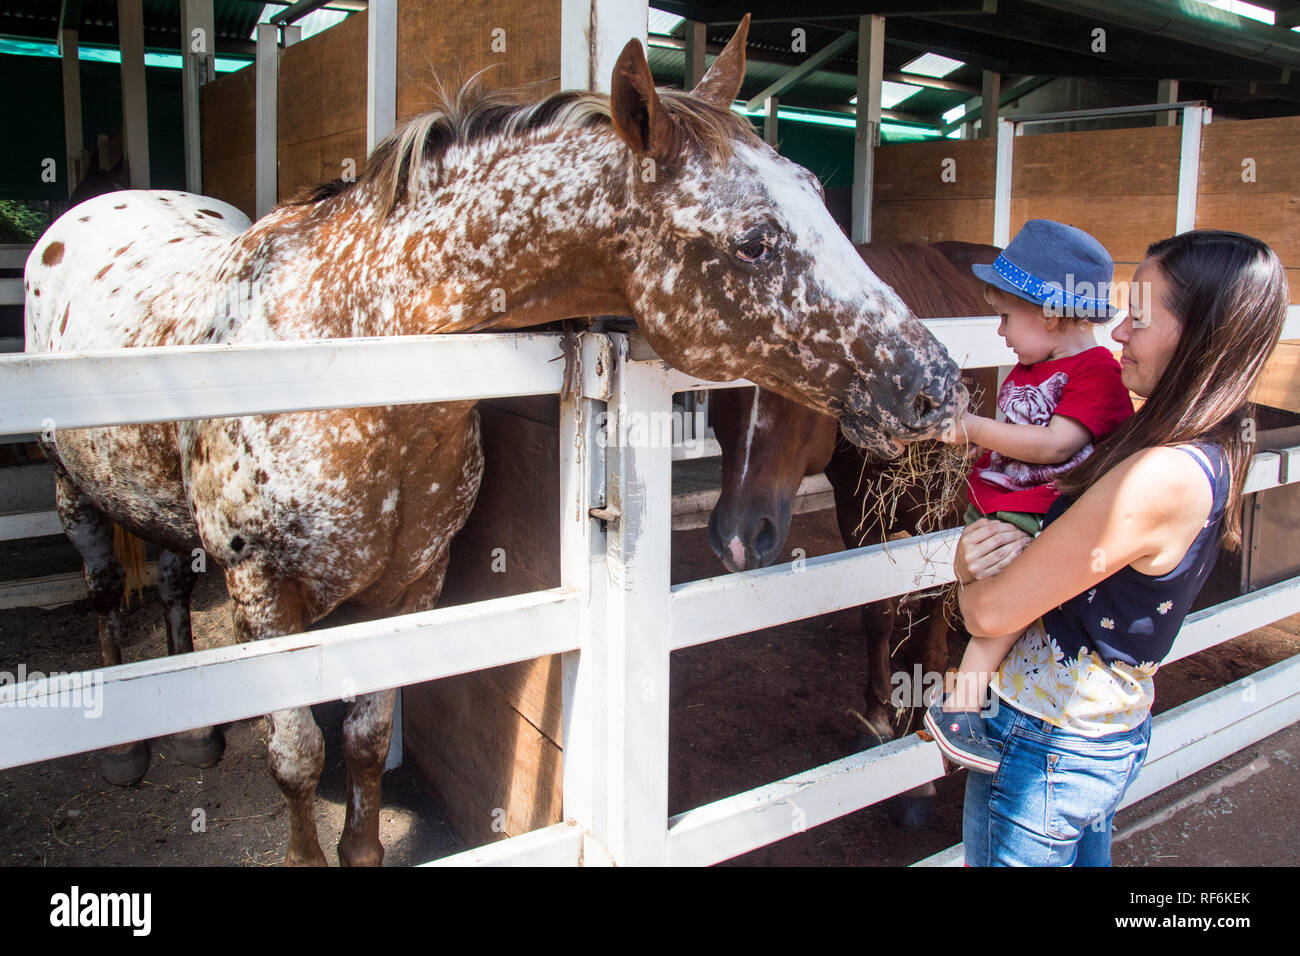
<point x="1167" y="92"/>
<point x="75" y="149"/>
<point x="770" y="120"/>
<point x="198" y="59"/>
<point x="871" y="66"/>
<point x="135" y="110"/>
<point x="592" y="35"/>
<point x="267" y="92"/>
<point x="381" y="71"/>
<point x="696" y="46"/>
<point x="992" y="90"/>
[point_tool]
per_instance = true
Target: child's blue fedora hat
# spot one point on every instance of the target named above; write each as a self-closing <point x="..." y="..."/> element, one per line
<point x="1059" y="267"/>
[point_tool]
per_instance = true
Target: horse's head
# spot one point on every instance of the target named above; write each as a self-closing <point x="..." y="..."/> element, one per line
<point x="736" y="269"/>
<point x="769" y="444"/>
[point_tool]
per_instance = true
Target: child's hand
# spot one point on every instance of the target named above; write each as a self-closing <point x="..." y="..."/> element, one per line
<point x="954" y="430"/>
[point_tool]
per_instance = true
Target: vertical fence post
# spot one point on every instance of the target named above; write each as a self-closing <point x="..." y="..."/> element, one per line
<point x="633" y="762"/>
<point x="582" y="569"/>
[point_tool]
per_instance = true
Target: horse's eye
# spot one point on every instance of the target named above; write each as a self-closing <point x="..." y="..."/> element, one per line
<point x="753" y="250"/>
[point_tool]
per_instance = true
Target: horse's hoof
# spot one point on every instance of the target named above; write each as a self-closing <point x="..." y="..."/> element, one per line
<point x="912" y="813"/>
<point x="199" y="748"/>
<point x="125" y="766"/>
<point x="371" y="856"/>
<point x="312" y="857"/>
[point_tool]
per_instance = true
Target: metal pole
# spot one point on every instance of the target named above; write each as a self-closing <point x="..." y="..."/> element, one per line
<point x="198" y="59"/>
<point x="871" y="64"/>
<point x="381" y="71"/>
<point x="1189" y="166"/>
<point x="770" y="120"/>
<point x="1002" y="184"/>
<point x="267" y="91"/>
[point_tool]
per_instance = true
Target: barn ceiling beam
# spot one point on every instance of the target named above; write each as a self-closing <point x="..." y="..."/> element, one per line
<point x="827" y="53"/>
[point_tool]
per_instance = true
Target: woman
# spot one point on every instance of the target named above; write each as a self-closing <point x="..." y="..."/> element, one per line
<point x="1100" y="594"/>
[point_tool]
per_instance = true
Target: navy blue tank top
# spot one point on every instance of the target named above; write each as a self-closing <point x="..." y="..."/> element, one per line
<point x="1131" y="616"/>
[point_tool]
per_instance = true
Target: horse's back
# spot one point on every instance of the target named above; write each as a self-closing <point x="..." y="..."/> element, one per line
<point x="93" y="279"/>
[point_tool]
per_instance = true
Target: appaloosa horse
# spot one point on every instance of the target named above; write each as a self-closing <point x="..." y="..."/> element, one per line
<point x="659" y="204"/>
<point x="769" y="444"/>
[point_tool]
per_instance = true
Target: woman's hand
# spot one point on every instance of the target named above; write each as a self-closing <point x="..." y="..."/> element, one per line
<point x="986" y="547"/>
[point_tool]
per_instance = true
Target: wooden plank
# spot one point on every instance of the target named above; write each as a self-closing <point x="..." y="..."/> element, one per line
<point x="932" y="220"/>
<point x="505" y="785"/>
<point x="1273" y="216"/>
<point x="323" y="86"/>
<point x="1271" y="143"/>
<point x="1279" y="384"/>
<point x="1115" y="162"/>
<point x="228" y="139"/>
<point x="452" y="40"/>
<point x="234" y="181"/>
<point x="913" y="171"/>
<point x="313" y="161"/>
<point x="1108" y="216"/>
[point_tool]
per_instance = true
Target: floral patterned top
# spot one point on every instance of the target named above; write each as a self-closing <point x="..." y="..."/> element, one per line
<point x="1087" y="666"/>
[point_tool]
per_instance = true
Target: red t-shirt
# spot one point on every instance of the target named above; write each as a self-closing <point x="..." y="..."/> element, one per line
<point x="1085" y="387"/>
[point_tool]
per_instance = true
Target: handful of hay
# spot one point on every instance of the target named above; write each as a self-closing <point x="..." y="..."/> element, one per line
<point x="922" y="491"/>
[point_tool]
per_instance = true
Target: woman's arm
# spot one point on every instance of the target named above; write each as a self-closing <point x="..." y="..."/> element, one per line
<point x="1152" y="504"/>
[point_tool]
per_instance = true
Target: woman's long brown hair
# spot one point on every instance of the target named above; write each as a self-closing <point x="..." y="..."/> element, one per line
<point x="1230" y="291"/>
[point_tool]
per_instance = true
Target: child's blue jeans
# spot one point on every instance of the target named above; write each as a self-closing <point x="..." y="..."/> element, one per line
<point x="1054" y="797"/>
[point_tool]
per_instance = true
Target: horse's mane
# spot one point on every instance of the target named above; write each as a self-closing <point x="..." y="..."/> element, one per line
<point x="927" y="280"/>
<point x="474" y="114"/>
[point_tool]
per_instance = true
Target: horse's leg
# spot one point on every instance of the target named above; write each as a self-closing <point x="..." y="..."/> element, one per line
<point x="264" y="606"/>
<point x="91" y="533"/>
<point x="878" y="628"/>
<point x="367" y="730"/>
<point x="203" y="746"/>
<point x="914" y="810"/>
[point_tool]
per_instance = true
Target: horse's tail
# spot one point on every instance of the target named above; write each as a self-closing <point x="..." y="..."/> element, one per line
<point x="130" y="551"/>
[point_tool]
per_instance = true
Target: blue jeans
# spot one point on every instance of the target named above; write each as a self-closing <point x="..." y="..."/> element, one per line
<point x="1053" y="799"/>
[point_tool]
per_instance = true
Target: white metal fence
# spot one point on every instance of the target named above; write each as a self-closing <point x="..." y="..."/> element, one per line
<point x="615" y="617"/>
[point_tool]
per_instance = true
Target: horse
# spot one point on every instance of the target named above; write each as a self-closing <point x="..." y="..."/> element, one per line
<point x="660" y="204"/>
<point x="769" y="444"/>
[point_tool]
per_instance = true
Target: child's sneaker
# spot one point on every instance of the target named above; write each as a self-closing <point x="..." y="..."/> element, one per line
<point x="961" y="738"/>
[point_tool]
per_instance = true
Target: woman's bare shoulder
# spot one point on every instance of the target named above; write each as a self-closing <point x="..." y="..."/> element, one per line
<point x="1163" y="491"/>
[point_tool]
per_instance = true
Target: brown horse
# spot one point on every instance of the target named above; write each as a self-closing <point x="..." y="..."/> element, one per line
<point x="769" y="444"/>
<point x="483" y="215"/>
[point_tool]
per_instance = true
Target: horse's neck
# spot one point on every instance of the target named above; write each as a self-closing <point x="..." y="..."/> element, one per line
<point x="511" y="239"/>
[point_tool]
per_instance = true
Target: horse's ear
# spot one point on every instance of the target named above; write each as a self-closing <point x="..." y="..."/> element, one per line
<point x="640" y="118"/>
<point x="721" y="84"/>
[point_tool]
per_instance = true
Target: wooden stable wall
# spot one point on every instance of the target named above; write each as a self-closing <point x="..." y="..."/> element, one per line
<point x="1120" y="185"/>
<point x="321" y="105"/>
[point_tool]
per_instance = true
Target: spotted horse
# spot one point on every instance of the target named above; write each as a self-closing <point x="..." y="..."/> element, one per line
<point x="659" y="204"/>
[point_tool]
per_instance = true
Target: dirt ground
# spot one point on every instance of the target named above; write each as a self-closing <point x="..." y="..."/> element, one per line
<point x="744" y="712"/>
